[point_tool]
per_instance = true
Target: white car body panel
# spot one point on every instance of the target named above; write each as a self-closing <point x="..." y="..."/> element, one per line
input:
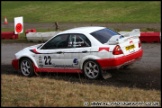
<point x="74" y="58"/>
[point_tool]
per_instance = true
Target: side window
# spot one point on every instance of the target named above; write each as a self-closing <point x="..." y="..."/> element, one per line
<point x="60" y="41"/>
<point x="78" y="40"/>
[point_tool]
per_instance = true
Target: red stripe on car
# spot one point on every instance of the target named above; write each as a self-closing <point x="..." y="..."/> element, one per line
<point x="35" y="51"/>
<point x="65" y="70"/>
<point x="103" y="48"/>
<point x="119" y="61"/>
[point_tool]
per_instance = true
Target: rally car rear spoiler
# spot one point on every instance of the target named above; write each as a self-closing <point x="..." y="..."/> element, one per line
<point x="134" y="32"/>
<point x="123" y="37"/>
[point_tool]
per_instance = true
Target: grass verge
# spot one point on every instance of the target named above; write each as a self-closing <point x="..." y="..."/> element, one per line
<point x="47" y="91"/>
<point x="83" y="11"/>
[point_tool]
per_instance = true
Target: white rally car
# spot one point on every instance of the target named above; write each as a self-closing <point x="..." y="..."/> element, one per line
<point x="88" y="50"/>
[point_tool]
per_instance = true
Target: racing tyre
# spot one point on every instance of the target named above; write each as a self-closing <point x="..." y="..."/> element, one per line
<point x="91" y="69"/>
<point x="26" y="67"/>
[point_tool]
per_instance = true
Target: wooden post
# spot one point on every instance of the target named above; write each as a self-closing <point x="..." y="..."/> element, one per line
<point x="56" y="26"/>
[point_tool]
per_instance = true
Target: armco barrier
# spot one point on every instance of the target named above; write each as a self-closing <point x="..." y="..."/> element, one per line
<point x="39" y="36"/>
<point x="9" y="35"/>
<point x="150" y="37"/>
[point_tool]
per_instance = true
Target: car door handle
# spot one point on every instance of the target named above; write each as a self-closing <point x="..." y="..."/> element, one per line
<point x="84" y="51"/>
<point x="59" y="52"/>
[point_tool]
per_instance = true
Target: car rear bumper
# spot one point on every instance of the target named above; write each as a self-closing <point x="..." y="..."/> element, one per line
<point x="15" y="64"/>
<point x="120" y="61"/>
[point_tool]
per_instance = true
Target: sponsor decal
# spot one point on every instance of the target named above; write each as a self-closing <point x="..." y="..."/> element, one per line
<point x="63" y="65"/>
<point x="121" y="37"/>
<point x="75" y="61"/>
<point x="40" y="61"/>
<point x="130" y="41"/>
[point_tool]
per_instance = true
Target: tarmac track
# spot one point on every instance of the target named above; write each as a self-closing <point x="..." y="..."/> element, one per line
<point x="144" y="74"/>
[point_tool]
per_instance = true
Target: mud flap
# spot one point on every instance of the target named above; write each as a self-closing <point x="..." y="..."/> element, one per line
<point x="105" y="74"/>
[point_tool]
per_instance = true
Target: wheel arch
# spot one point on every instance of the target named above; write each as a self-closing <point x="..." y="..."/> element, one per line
<point x="27" y="57"/>
<point x="89" y="57"/>
<point x="99" y="70"/>
<point x="31" y="72"/>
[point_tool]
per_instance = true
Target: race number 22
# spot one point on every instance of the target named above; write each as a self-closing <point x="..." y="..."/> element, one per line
<point x="47" y="60"/>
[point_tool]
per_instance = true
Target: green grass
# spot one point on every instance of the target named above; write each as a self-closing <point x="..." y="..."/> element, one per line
<point x="47" y="91"/>
<point x="83" y="11"/>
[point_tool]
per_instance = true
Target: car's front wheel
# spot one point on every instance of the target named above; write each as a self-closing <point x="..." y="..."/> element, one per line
<point x="26" y="67"/>
<point x="91" y="69"/>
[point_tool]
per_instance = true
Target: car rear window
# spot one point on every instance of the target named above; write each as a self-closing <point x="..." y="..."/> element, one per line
<point x="103" y="35"/>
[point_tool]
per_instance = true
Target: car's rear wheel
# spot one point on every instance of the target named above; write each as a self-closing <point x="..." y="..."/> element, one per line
<point x="26" y="67"/>
<point x="91" y="69"/>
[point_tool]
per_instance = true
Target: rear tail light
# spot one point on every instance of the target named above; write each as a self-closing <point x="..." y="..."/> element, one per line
<point x="117" y="50"/>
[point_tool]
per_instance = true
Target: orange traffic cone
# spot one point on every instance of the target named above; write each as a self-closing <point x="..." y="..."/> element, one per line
<point x="5" y="20"/>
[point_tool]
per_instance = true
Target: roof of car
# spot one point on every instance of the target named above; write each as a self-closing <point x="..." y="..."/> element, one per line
<point x="89" y="29"/>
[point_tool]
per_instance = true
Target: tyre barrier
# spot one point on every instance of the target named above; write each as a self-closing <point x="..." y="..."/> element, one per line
<point x="30" y="30"/>
<point x="150" y="37"/>
<point x="39" y="36"/>
<point x="9" y="35"/>
<point x="145" y="37"/>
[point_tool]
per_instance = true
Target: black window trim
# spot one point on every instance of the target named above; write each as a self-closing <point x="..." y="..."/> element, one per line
<point x="40" y="48"/>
